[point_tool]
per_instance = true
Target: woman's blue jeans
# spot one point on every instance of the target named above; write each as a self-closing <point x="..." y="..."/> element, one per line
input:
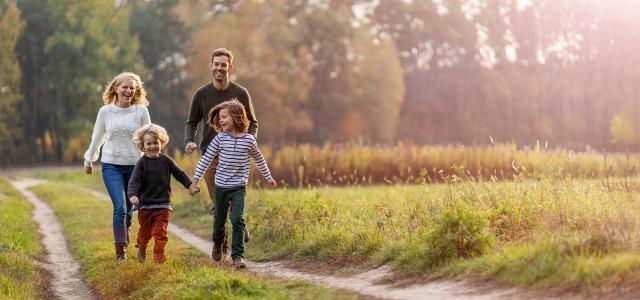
<point x="116" y="179"/>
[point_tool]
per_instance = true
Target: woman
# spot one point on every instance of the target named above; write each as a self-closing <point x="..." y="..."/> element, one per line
<point x="125" y="111"/>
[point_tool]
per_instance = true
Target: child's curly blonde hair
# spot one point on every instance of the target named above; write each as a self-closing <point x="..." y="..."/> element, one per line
<point x="154" y="130"/>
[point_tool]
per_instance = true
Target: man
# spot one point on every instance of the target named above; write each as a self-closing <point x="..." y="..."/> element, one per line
<point x="204" y="99"/>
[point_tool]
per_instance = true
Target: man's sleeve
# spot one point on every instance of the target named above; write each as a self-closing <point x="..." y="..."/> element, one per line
<point x="253" y="121"/>
<point x="191" y="125"/>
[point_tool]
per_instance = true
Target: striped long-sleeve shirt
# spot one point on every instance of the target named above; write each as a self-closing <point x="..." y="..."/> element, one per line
<point x="233" y="165"/>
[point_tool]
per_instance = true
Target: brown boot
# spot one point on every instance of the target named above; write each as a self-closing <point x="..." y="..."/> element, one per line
<point x="216" y="252"/>
<point x="159" y="258"/>
<point x="239" y="263"/>
<point x="121" y="254"/>
<point x="142" y="254"/>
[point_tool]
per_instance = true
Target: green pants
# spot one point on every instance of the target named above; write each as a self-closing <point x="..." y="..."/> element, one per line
<point x="235" y="198"/>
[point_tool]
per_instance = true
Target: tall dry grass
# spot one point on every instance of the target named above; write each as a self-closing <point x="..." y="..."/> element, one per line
<point x="356" y="164"/>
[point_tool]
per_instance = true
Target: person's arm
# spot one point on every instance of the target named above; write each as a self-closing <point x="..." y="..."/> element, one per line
<point x="133" y="188"/>
<point x="207" y="158"/>
<point x="259" y="160"/>
<point x="97" y="139"/>
<point x="251" y="114"/>
<point x="194" y="117"/>
<point x="146" y="119"/>
<point x="179" y="174"/>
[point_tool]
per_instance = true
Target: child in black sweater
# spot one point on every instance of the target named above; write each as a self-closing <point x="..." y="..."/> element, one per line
<point x="150" y="189"/>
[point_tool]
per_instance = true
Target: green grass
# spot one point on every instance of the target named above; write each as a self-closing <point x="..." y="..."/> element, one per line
<point x="20" y="277"/>
<point x="187" y="274"/>
<point x="554" y="232"/>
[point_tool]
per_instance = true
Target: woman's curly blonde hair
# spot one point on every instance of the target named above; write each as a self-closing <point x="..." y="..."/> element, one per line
<point x="139" y="97"/>
<point x="154" y="130"/>
<point x="237" y="112"/>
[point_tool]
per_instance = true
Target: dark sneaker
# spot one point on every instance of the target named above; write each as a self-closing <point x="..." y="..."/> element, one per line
<point x="246" y="235"/>
<point x="216" y="252"/>
<point x="225" y="247"/>
<point x="238" y="263"/>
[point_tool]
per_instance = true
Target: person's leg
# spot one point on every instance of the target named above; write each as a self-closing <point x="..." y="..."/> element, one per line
<point x="237" y="221"/>
<point x="159" y="231"/>
<point x="210" y="179"/>
<point x="219" y="221"/>
<point x="127" y="172"/>
<point x="114" y="180"/>
<point x="144" y="233"/>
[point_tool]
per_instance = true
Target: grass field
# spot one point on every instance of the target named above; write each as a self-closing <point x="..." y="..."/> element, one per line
<point x="20" y="276"/>
<point x="569" y="234"/>
<point x="188" y="273"/>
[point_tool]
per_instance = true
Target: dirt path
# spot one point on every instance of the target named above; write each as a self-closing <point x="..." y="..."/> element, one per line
<point x="364" y="283"/>
<point x="66" y="282"/>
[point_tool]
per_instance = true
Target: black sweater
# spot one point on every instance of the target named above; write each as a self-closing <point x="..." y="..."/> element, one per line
<point x="151" y="180"/>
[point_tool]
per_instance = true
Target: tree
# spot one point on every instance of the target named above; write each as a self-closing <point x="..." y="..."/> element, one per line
<point x="30" y="53"/>
<point x="10" y="27"/>
<point x="90" y="45"/>
<point x="163" y="38"/>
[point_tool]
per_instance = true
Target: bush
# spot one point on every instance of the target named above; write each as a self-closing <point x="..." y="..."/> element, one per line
<point x="459" y="233"/>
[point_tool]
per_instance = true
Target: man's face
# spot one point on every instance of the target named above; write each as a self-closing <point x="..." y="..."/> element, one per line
<point x="220" y="68"/>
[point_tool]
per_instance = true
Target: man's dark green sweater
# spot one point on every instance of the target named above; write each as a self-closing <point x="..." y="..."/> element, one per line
<point x="207" y="97"/>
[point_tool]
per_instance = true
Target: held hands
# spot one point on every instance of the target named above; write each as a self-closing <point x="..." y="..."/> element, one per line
<point x="88" y="170"/>
<point x="271" y="183"/>
<point x="190" y="147"/>
<point x="194" y="188"/>
<point x="134" y="200"/>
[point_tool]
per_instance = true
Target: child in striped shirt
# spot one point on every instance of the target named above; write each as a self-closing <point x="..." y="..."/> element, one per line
<point x="233" y="146"/>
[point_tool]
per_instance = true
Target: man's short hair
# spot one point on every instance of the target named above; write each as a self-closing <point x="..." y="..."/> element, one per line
<point x="222" y="52"/>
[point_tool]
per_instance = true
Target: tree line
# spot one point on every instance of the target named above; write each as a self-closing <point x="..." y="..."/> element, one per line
<point x="379" y="72"/>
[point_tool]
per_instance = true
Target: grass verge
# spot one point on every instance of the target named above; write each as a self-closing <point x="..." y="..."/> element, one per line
<point x="187" y="274"/>
<point x="20" y="275"/>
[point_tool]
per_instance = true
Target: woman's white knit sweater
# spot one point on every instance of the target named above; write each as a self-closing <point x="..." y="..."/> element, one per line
<point x="114" y="128"/>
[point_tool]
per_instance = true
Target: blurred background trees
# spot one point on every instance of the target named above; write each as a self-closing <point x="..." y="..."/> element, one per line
<point x="378" y="72"/>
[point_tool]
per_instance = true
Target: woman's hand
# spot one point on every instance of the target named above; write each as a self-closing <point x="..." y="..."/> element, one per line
<point x="88" y="170"/>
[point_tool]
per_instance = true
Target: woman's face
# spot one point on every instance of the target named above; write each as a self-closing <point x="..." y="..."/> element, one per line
<point x="125" y="91"/>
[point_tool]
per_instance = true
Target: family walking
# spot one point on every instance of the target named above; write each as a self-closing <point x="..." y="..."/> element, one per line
<point x="137" y="174"/>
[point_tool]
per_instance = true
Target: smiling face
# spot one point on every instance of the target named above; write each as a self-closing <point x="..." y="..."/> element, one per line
<point x="220" y="68"/>
<point x="125" y="91"/>
<point x="226" y="121"/>
<point x="151" y="145"/>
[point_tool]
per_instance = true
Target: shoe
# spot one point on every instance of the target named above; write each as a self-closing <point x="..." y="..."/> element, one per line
<point x="121" y="254"/>
<point x="246" y="235"/>
<point x="239" y="263"/>
<point x="159" y="258"/>
<point x="142" y="254"/>
<point x="225" y="247"/>
<point x="216" y="252"/>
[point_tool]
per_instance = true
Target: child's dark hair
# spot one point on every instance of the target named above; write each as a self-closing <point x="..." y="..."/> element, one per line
<point x="236" y="111"/>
